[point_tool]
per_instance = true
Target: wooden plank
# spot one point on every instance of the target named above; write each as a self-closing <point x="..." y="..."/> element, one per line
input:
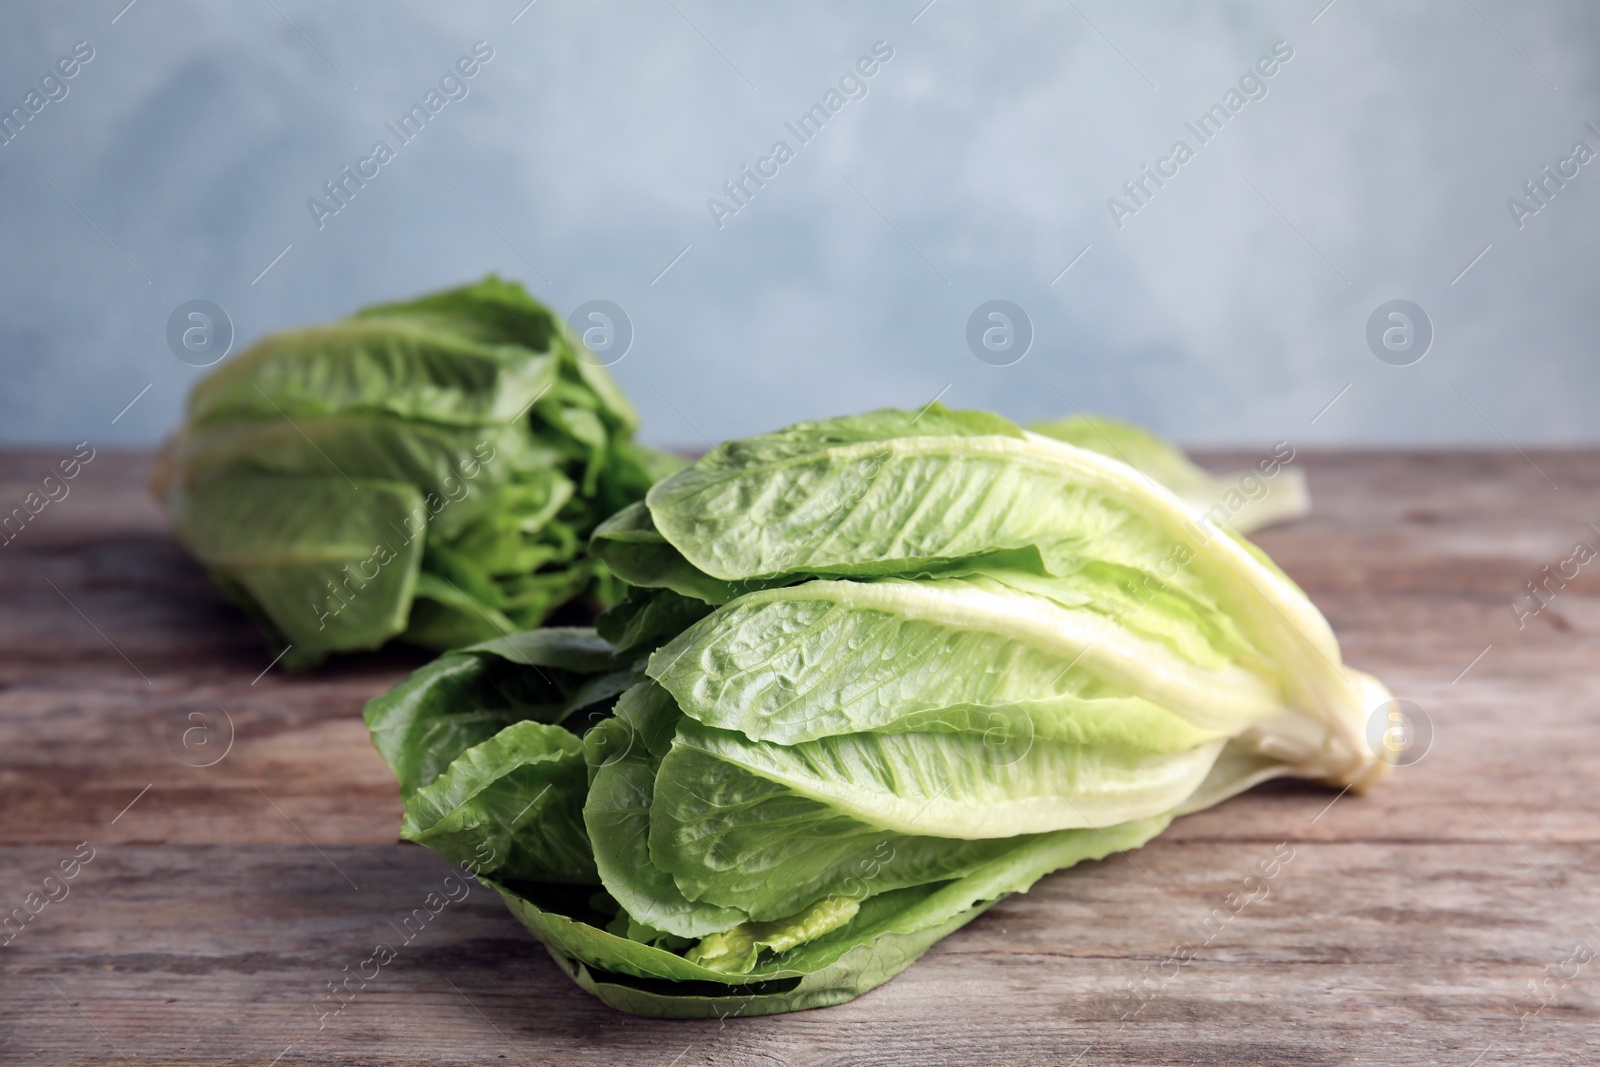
<point x="217" y="905"/>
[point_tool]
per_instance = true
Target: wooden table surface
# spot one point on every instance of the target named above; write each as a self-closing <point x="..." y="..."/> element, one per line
<point x="1412" y="925"/>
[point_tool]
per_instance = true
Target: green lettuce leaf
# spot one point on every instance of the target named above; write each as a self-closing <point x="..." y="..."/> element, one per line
<point x="732" y="838"/>
<point x="625" y="754"/>
<point x="644" y="618"/>
<point x="315" y="558"/>
<point x="834" y="657"/>
<point x="467" y="697"/>
<point x="960" y="785"/>
<point x="511" y="806"/>
<point x="395" y="364"/>
<point x="1247" y="500"/>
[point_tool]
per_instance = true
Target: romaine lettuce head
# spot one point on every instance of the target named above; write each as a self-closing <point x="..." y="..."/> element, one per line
<point x="429" y="470"/>
<point x="879" y="672"/>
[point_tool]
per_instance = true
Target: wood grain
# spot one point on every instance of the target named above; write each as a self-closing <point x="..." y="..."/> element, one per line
<point x="219" y="904"/>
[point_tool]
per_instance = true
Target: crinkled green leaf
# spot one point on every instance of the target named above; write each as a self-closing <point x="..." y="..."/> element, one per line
<point x="511" y="806"/>
<point x="734" y="838"/>
<point x="617" y="816"/>
<point x="965" y="785"/>
<point x="645" y="618"/>
<point x="630" y="545"/>
<point x="464" y="698"/>
<point x="834" y="657"/>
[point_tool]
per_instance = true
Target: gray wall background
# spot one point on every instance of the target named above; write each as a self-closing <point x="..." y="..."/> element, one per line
<point x="1232" y="308"/>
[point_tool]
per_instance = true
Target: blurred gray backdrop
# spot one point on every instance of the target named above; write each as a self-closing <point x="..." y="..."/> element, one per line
<point x="1383" y="159"/>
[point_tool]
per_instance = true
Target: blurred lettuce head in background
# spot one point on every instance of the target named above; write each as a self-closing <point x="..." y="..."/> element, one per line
<point x="427" y="470"/>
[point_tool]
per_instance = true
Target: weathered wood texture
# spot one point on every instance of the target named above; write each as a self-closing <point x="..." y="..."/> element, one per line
<point x="217" y="907"/>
